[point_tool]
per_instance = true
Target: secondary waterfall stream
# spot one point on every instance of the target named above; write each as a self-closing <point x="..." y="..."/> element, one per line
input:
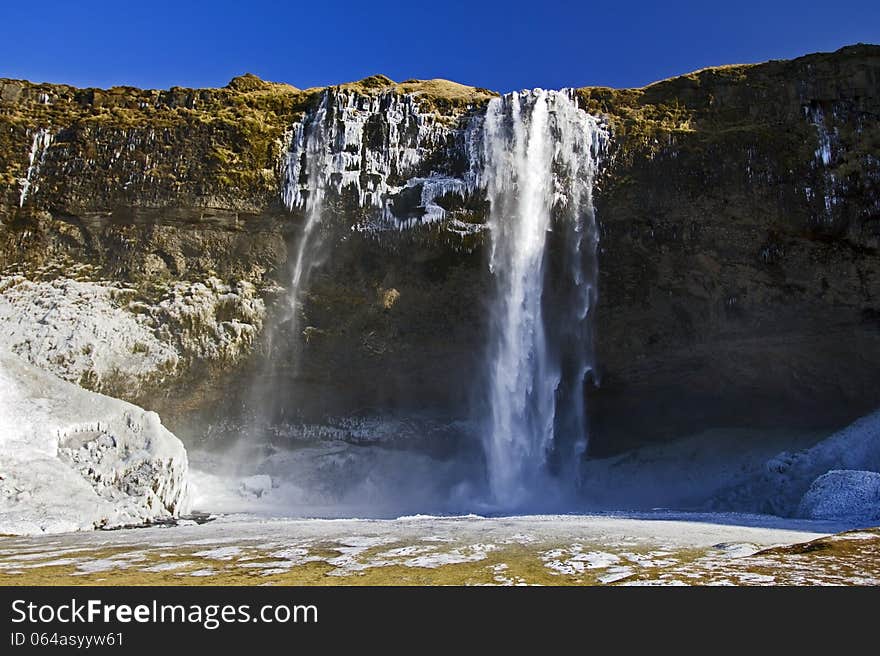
<point x="540" y="155"/>
<point x="355" y="147"/>
<point x="309" y="151"/>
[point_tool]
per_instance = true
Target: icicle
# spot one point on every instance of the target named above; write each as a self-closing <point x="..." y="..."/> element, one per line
<point x="36" y="157"/>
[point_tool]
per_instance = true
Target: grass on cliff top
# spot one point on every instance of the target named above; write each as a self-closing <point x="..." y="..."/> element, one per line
<point x="438" y="94"/>
<point x="719" y="99"/>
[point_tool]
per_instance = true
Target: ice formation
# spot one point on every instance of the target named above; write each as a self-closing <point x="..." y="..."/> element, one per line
<point x="374" y="147"/>
<point x="843" y="494"/>
<point x="36" y="157"/>
<point x="76" y="460"/>
<point x="79" y="332"/>
<point x="824" y="157"/>
<point x="98" y="334"/>
<point x="207" y="320"/>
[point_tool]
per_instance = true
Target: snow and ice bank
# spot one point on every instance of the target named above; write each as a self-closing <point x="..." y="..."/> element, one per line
<point x="71" y="459"/>
<point x="843" y="494"/>
<point x="81" y="332"/>
<point x="686" y="473"/>
<point x="746" y="471"/>
<point x="104" y="336"/>
<point x="779" y="486"/>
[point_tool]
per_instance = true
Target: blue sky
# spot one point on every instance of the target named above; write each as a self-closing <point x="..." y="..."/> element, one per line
<point x="499" y="45"/>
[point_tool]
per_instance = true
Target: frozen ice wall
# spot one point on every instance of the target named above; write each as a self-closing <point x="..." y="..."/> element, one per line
<point x="374" y="147"/>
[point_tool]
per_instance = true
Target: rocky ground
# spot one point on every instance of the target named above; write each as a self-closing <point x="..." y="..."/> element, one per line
<point x="652" y="549"/>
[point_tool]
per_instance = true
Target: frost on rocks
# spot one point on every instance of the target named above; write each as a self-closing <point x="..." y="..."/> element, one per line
<point x="843" y="494"/>
<point x="824" y="157"/>
<point x="76" y="460"/>
<point x="210" y="320"/>
<point x="817" y="117"/>
<point x="80" y="332"/>
<point x="96" y="334"/>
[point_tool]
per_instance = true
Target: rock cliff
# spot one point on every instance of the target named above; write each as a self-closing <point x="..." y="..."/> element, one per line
<point x="739" y="210"/>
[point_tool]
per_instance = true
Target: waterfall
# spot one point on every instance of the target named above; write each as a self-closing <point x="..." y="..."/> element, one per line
<point x="309" y="150"/>
<point x="539" y="158"/>
<point x="535" y="155"/>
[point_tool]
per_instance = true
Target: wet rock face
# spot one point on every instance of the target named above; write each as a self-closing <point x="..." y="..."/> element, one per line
<point x="739" y="211"/>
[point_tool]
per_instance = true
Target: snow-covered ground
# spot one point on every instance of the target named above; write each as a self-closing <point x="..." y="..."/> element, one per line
<point x="649" y="548"/>
<point x="72" y="460"/>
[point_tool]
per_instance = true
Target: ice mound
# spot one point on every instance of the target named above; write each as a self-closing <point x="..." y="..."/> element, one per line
<point x="780" y="485"/>
<point x="71" y="459"/>
<point x="843" y="494"/>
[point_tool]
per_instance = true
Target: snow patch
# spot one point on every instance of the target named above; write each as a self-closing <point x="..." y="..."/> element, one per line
<point x="220" y="553"/>
<point x="100" y="336"/>
<point x="79" y="332"/>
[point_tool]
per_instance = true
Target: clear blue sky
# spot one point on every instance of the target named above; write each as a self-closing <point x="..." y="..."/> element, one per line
<point x="499" y="45"/>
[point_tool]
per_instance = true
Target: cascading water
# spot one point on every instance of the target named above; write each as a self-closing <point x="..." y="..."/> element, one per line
<point x="539" y="157"/>
<point x="355" y="163"/>
<point x="36" y="157"/>
<point x="308" y="149"/>
<point x="534" y="154"/>
<point x="351" y="156"/>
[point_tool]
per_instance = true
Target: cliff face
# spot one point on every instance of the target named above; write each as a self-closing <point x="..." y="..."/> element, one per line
<point x="740" y="273"/>
<point x="739" y="210"/>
